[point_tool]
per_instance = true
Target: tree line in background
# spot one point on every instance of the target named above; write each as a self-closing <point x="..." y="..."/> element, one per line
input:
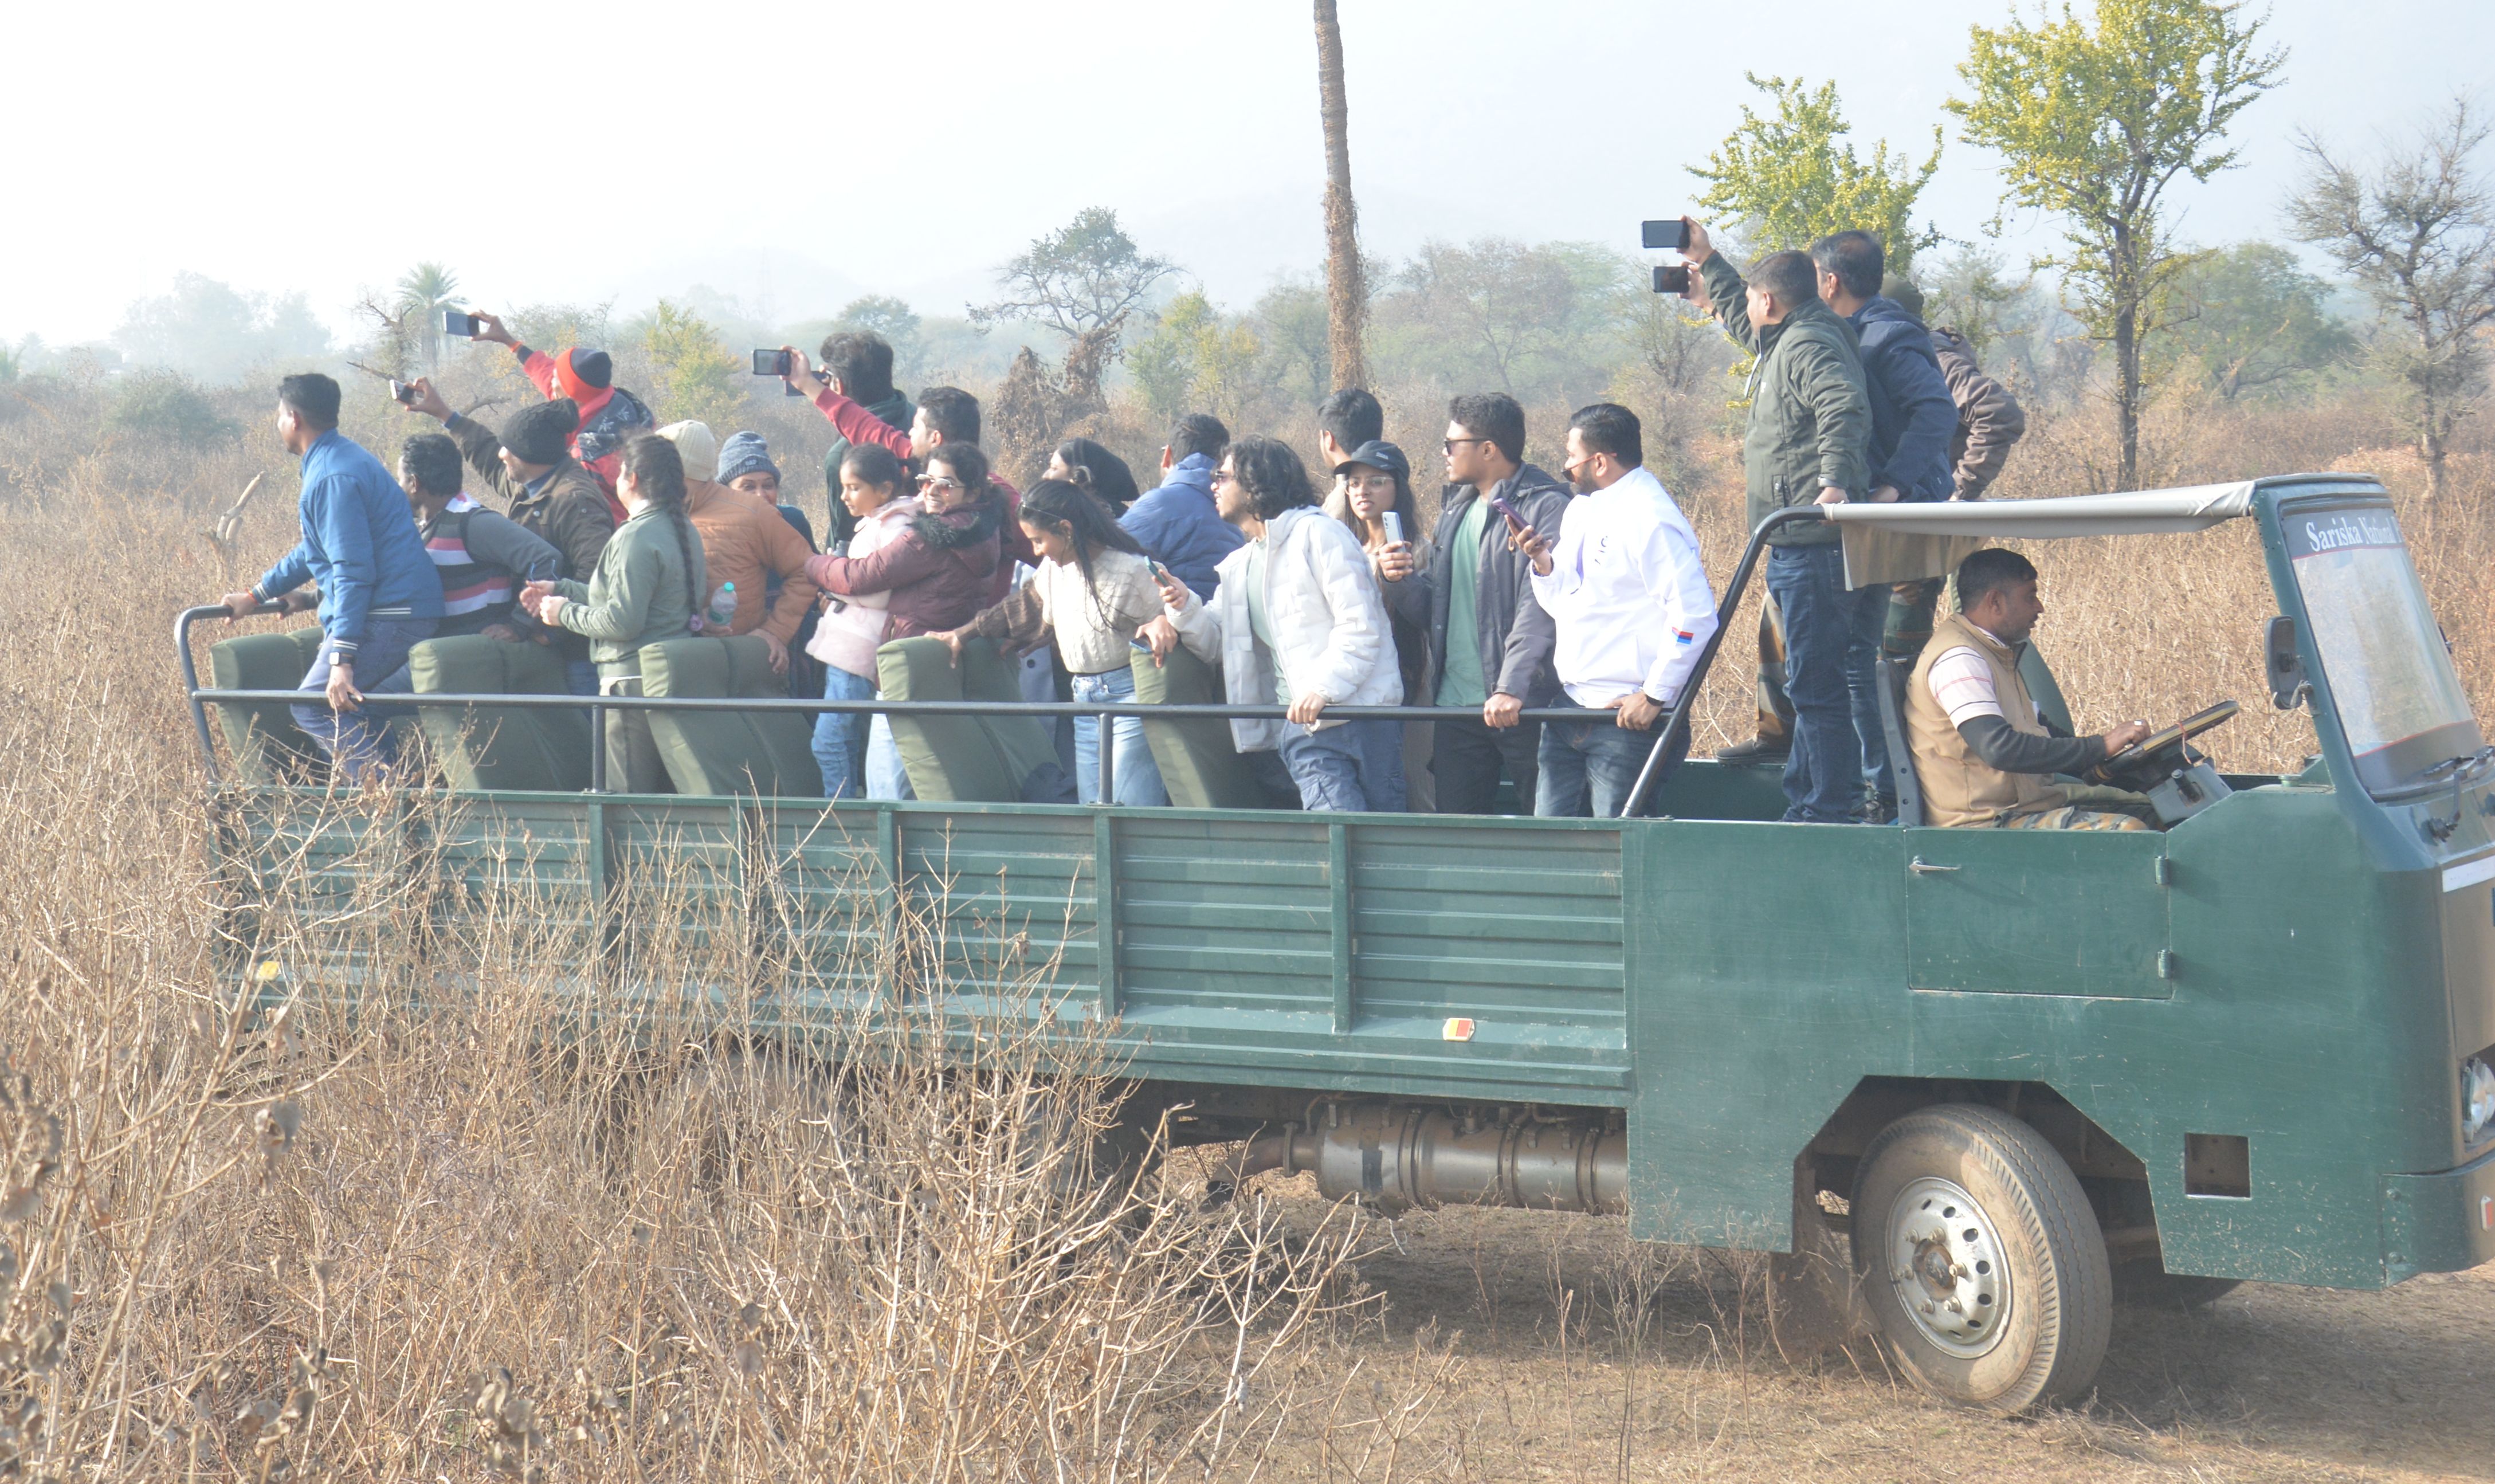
<point x="2098" y="119"/>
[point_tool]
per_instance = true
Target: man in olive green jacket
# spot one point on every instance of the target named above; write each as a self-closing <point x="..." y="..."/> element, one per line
<point x="1808" y="443"/>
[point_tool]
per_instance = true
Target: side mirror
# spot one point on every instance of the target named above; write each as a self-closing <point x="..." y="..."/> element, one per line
<point x="2287" y="683"/>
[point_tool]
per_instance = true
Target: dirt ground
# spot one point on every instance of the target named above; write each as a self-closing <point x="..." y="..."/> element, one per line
<point x="1522" y="1345"/>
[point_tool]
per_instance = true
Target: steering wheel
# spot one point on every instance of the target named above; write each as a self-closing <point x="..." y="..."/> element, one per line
<point x="2162" y="751"/>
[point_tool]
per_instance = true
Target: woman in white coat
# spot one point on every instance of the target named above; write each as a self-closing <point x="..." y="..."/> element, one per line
<point x="1296" y="619"/>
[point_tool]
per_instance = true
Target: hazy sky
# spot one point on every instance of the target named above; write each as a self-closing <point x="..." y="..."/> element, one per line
<point x="790" y="155"/>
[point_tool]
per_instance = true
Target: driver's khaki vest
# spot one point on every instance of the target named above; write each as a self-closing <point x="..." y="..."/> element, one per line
<point x="1958" y="786"/>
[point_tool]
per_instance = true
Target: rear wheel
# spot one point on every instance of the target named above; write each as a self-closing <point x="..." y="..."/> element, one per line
<point x="1981" y="1259"/>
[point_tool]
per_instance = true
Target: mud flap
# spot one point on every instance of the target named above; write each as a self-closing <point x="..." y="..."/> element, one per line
<point x="1814" y="1303"/>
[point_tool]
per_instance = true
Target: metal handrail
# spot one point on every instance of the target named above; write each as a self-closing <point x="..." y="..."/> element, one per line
<point x="200" y="696"/>
<point x="1674" y="721"/>
<point x="1793" y="516"/>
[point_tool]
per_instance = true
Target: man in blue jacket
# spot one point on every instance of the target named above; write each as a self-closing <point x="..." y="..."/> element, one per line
<point x="379" y="596"/>
<point x="1913" y="420"/>
<point x="1178" y="524"/>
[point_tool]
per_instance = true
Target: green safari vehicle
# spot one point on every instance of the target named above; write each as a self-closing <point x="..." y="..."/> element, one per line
<point x="1967" y="1083"/>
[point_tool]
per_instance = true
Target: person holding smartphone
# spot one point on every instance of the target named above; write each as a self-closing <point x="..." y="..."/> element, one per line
<point x="1488" y="636"/>
<point x="1295" y="621"/>
<point x="1094" y="589"/>
<point x="1632" y="611"/>
<point x="1379" y="505"/>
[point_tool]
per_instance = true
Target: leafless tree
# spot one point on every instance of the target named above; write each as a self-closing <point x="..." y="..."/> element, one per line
<point x="2418" y="233"/>
<point x="1347" y="284"/>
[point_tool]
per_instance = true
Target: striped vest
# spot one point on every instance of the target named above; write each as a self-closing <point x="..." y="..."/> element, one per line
<point x="472" y="594"/>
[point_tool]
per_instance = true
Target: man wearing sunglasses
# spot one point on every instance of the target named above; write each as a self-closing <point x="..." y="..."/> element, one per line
<point x="1490" y="639"/>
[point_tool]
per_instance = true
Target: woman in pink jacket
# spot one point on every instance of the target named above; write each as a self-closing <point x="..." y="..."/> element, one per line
<point x="934" y="568"/>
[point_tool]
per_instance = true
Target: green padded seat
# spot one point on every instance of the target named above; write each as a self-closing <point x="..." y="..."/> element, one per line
<point x="1200" y="766"/>
<point x="268" y="748"/>
<point x="492" y="747"/>
<point x="1001" y="759"/>
<point x="723" y="753"/>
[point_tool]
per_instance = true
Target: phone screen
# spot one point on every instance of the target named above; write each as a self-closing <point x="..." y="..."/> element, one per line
<point x="771" y="363"/>
<point x="453" y="323"/>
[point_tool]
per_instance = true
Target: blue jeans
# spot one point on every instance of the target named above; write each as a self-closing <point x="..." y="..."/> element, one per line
<point x="358" y="742"/>
<point x="580" y="677"/>
<point x="1350" y="766"/>
<point x="840" y="736"/>
<point x="886" y="777"/>
<point x="1586" y="769"/>
<point x="1138" y="776"/>
<point x="1824" y="772"/>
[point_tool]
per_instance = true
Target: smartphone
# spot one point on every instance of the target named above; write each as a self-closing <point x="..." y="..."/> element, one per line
<point x="402" y="392"/>
<point x="454" y="323"/>
<point x="1673" y="234"/>
<point x="1393" y="523"/>
<point x="1500" y="504"/>
<point x="1672" y="280"/>
<point x="773" y="364"/>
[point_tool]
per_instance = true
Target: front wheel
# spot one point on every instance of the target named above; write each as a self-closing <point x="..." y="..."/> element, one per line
<point x="1981" y="1259"/>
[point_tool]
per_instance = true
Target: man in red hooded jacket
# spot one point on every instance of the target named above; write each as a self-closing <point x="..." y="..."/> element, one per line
<point x="609" y="414"/>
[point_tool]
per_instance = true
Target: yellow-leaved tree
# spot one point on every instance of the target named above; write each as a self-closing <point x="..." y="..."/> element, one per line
<point x="2094" y="120"/>
<point x="698" y="376"/>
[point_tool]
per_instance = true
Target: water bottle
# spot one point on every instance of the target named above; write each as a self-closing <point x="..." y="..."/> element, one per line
<point x="723" y="610"/>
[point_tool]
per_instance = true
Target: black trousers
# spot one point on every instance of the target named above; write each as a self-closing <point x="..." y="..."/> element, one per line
<point x="1467" y="758"/>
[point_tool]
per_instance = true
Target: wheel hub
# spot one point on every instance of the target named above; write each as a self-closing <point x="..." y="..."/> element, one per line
<point x="1949" y="1270"/>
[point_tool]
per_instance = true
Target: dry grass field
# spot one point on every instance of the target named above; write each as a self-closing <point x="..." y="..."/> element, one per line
<point x="473" y="1241"/>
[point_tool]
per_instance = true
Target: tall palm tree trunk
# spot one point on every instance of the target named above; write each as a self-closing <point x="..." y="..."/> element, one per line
<point x="1346" y="286"/>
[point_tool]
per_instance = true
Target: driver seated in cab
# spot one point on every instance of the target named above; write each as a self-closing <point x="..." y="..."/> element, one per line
<point x="1982" y="755"/>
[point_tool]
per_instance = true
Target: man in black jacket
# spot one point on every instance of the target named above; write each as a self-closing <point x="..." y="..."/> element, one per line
<point x="1489" y="641"/>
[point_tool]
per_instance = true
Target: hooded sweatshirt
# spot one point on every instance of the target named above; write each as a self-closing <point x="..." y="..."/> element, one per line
<point x="608" y="416"/>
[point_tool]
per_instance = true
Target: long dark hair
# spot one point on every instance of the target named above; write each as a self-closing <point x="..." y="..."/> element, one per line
<point x="981" y="503"/>
<point x="1058" y="505"/>
<point x="658" y="474"/>
<point x="1104" y="473"/>
<point x="1405" y="504"/>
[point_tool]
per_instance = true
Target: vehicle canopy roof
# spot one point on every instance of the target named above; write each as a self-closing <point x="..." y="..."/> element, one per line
<point x="1900" y="543"/>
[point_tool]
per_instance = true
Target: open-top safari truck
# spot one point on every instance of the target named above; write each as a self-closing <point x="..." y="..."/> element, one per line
<point x="2015" y="1068"/>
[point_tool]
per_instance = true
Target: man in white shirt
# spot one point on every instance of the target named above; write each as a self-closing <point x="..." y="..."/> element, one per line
<point x="1630" y="600"/>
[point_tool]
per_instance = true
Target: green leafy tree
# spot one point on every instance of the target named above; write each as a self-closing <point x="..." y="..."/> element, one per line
<point x="897" y="322"/>
<point x="1197" y="360"/>
<point x="2252" y="320"/>
<point x="427" y="290"/>
<point x="1539" y="322"/>
<point x="2417" y="235"/>
<point x="1294" y="322"/>
<point x="2094" y="121"/>
<point x="1790" y="179"/>
<point x="698" y="376"/>
<point x="1085" y="278"/>
<point x="167" y="406"/>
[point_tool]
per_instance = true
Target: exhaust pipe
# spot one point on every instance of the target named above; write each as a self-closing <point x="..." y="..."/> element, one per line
<point x="1400" y="1157"/>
